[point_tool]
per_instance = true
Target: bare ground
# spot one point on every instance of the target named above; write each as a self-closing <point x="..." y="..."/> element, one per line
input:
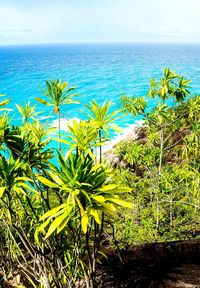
<point x="158" y="265"/>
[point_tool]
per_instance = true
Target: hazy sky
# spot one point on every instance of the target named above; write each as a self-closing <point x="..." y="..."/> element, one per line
<point x="56" y="21"/>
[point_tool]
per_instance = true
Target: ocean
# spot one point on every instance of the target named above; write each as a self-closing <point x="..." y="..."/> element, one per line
<point x="98" y="71"/>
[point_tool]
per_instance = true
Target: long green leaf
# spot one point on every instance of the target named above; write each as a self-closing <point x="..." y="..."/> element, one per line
<point x="47" y="182"/>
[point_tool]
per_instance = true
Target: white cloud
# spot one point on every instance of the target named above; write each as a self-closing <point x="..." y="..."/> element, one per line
<point x="100" y="20"/>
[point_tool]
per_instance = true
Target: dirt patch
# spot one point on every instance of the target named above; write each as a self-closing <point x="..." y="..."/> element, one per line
<point x="158" y="265"/>
<point x="185" y="276"/>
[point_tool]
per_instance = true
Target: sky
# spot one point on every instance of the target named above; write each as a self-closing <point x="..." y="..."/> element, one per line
<point x="72" y="21"/>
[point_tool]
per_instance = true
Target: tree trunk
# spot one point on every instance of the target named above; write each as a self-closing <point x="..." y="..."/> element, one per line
<point x="100" y="147"/>
<point x="59" y="144"/>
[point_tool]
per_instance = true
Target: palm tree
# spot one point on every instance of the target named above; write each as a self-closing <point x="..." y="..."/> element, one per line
<point x="58" y="94"/>
<point x="87" y="195"/>
<point x="133" y="105"/>
<point x="27" y="144"/>
<point x="102" y="119"/>
<point x="82" y="136"/>
<point x="170" y="85"/>
<point x="27" y="112"/>
<point x="13" y="183"/>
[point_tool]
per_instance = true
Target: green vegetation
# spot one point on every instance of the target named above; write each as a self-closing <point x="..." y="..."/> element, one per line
<point x="58" y="94"/>
<point x="56" y="210"/>
<point x="164" y="166"/>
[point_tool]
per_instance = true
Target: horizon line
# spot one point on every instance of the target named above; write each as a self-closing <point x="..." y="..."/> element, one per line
<point x="98" y="42"/>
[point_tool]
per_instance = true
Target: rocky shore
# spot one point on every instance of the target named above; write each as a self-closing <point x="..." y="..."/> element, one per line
<point x="132" y="132"/>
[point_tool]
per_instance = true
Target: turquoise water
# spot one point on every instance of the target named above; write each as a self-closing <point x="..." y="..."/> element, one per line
<point x="98" y="71"/>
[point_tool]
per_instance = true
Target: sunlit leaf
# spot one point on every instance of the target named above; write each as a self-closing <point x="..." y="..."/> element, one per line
<point x="84" y="222"/>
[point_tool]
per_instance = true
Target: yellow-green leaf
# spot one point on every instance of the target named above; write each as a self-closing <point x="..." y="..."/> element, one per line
<point x="7" y="212"/>
<point x="108" y="208"/>
<point x="80" y="206"/>
<point x="98" y="198"/>
<point x="96" y="167"/>
<point x="28" y="187"/>
<point x="23" y="179"/>
<point x="46" y="223"/>
<point x="121" y="202"/>
<point x="43" y="101"/>
<point x="84" y="222"/>
<point x="53" y="212"/>
<point x="95" y="214"/>
<point x="56" y="178"/>
<point x="63" y="224"/>
<point x="2" y="189"/>
<point x="55" y="224"/>
<point x="19" y="190"/>
<point x="2" y="103"/>
<point x="47" y="182"/>
<point x="36" y="238"/>
<point x="108" y="187"/>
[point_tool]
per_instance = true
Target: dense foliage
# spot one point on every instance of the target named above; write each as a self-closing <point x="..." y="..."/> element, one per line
<point x="57" y="209"/>
<point x="53" y="207"/>
<point x="163" y="165"/>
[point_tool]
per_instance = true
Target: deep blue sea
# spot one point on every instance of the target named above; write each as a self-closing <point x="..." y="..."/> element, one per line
<point x="98" y="71"/>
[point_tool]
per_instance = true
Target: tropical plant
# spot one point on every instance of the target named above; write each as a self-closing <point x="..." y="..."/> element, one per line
<point x="56" y="212"/>
<point x="171" y="85"/>
<point x="58" y="94"/>
<point x="133" y="105"/>
<point x="3" y="103"/>
<point x="102" y="119"/>
<point x="172" y="135"/>
<point x="81" y="137"/>
<point x="27" y="112"/>
<point x="86" y="195"/>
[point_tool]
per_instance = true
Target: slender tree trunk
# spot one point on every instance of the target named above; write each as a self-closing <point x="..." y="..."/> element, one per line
<point x="171" y="210"/>
<point x="157" y="214"/>
<point x="159" y="177"/>
<point x="59" y="144"/>
<point x="90" y="262"/>
<point x="100" y="147"/>
<point x="161" y="151"/>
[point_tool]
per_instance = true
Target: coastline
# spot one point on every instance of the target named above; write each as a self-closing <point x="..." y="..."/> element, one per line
<point x="128" y="133"/>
